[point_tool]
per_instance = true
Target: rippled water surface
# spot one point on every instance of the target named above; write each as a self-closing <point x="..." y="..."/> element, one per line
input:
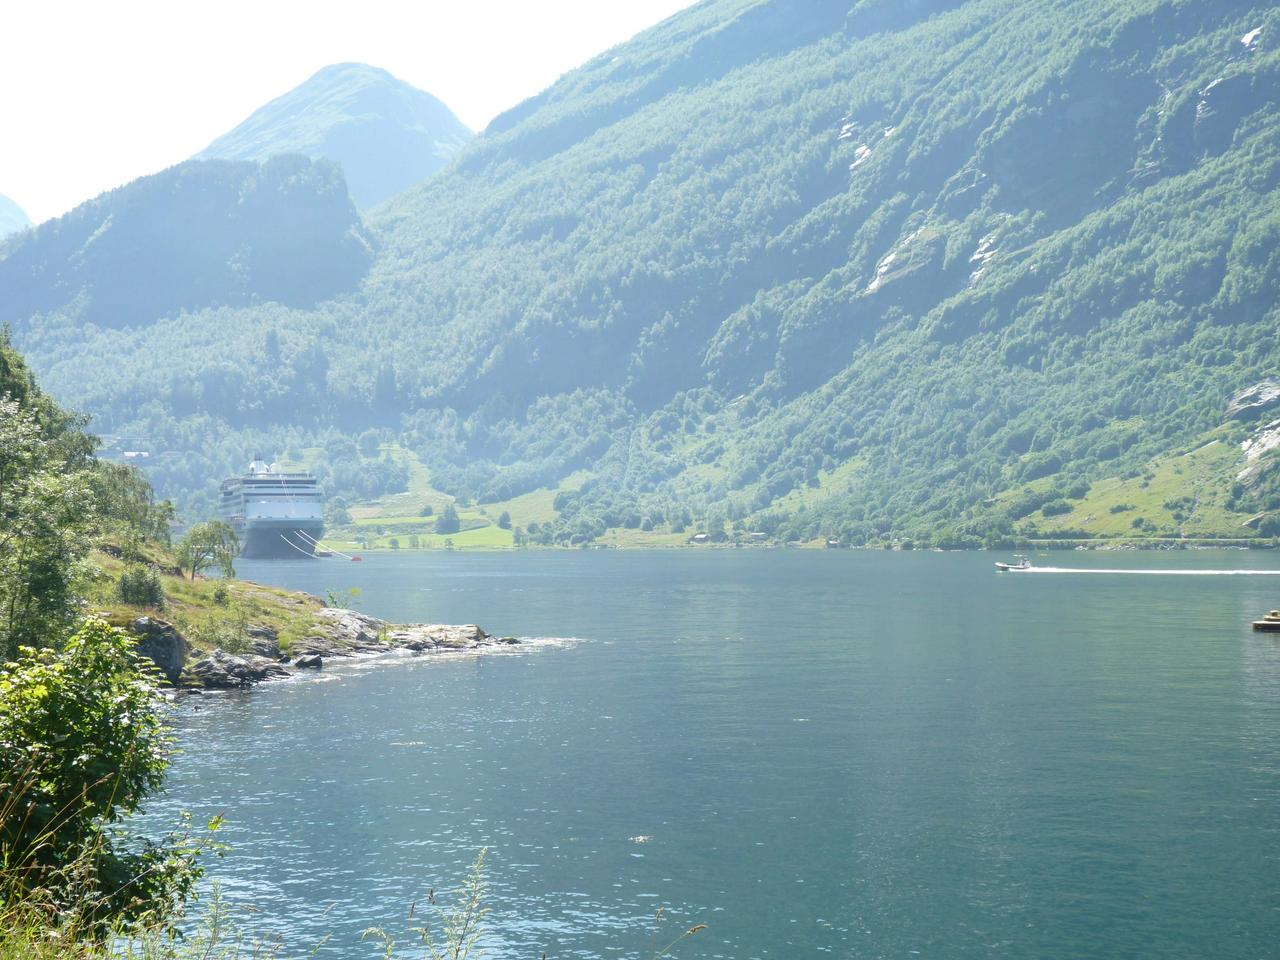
<point x="844" y="753"/>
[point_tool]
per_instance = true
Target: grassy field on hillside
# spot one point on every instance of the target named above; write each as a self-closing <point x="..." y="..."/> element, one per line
<point x="1177" y="496"/>
<point x="401" y="521"/>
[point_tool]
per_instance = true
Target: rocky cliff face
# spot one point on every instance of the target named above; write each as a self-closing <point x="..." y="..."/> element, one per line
<point x="161" y="643"/>
<point x="1252" y="402"/>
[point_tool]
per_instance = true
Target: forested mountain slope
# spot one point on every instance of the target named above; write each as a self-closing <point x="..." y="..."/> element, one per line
<point x="851" y="269"/>
<point x="12" y="217"/>
<point x="386" y="134"/>
<point x="199" y="234"/>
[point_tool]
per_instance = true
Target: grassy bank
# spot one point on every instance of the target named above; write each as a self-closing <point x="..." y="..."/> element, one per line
<point x="208" y="612"/>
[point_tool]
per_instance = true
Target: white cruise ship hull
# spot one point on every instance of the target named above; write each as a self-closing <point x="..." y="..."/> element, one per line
<point x="277" y="515"/>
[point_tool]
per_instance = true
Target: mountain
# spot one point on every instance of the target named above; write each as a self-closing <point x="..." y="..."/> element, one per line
<point x="871" y="270"/>
<point x="199" y="234"/>
<point x="12" y="217"/>
<point x="386" y="134"/>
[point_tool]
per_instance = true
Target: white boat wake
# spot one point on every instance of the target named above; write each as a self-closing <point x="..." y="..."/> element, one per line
<point x="1156" y="573"/>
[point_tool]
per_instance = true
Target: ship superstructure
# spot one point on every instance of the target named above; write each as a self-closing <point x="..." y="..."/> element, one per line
<point x="275" y="514"/>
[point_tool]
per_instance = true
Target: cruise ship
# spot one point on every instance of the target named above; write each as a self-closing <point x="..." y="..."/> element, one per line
<point x="275" y="514"/>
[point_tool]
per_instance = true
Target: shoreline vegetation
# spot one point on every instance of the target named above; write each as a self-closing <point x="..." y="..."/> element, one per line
<point x="99" y="612"/>
<point x="93" y="593"/>
<point x="219" y="634"/>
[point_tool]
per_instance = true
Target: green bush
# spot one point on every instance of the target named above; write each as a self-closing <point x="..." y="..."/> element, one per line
<point x="82" y="744"/>
<point x="1078" y="490"/>
<point x="140" y="585"/>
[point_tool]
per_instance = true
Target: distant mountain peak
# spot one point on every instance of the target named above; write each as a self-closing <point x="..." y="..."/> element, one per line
<point x="12" y="217"/>
<point x="386" y="134"/>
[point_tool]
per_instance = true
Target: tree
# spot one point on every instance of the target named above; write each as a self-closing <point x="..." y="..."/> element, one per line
<point x="209" y="544"/>
<point x="46" y="512"/>
<point x="336" y="514"/>
<point x="368" y="443"/>
<point x="56" y="501"/>
<point x="127" y="504"/>
<point x="448" y="521"/>
<point x="82" y="744"/>
<point x="504" y="520"/>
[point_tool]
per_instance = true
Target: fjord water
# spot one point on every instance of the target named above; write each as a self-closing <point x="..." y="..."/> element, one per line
<point x="814" y="753"/>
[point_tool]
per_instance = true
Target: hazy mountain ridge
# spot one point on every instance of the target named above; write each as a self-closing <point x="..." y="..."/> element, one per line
<point x="857" y="282"/>
<point x="12" y="217"/>
<point x="200" y="234"/>
<point x="386" y="134"/>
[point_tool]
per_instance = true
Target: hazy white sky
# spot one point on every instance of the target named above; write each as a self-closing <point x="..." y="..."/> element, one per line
<point x="98" y="92"/>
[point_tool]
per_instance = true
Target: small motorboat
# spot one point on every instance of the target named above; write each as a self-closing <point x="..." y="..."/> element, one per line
<point x="1021" y="563"/>
<point x="357" y="559"/>
<point x="1269" y="623"/>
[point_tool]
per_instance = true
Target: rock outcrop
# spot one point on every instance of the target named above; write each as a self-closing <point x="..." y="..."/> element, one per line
<point x="161" y="643"/>
<point x="1252" y="402"/>
<point x="346" y="632"/>
<point x="225" y="671"/>
<point x="264" y="642"/>
<point x="336" y="633"/>
<point x="431" y="636"/>
<point x="1262" y="441"/>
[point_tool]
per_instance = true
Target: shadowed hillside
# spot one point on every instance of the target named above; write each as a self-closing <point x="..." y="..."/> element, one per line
<point x="200" y="234"/>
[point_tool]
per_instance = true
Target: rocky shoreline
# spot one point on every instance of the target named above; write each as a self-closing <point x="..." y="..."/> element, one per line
<point x="337" y="633"/>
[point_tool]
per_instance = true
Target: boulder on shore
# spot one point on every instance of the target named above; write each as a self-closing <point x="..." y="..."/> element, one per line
<point x="342" y="633"/>
<point x="265" y="642"/>
<point x="437" y="636"/>
<point x="161" y="643"/>
<point x="347" y="632"/>
<point x="225" y="671"/>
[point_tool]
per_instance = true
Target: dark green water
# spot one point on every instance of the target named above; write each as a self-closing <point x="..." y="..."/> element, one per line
<point x="832" y="753"/>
